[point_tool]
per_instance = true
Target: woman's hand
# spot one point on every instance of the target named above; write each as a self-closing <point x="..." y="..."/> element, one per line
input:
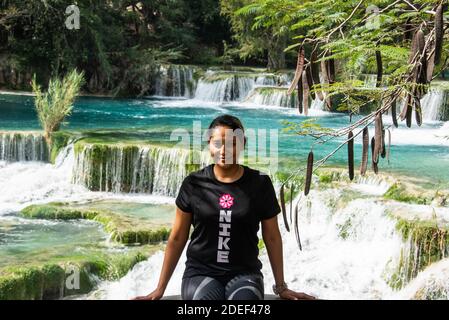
<point x="292" y="295"/>
<point x="155" y="295"/>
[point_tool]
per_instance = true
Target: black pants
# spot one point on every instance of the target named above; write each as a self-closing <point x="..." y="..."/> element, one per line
<point x="248" y="286"/>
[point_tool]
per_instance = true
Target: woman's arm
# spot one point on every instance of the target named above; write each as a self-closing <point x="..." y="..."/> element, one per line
<point x="273" y="242"/>
<point x="175" y="245"/>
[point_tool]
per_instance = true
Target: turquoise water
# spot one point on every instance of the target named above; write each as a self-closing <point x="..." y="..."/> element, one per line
<point x="155" y="120"/>
<point x="23" y="240"/>
<point x="155" y="213"/>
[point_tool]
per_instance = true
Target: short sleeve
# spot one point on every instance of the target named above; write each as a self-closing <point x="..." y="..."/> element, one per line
<point x="269" y="203"/>
<point x="184" y="195"/>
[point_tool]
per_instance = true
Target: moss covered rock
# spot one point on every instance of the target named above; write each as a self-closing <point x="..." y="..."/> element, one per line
<point x="123" y="229"/>
<point x="400" y="192"/>
<point x="426" y="241"/>
<point x="69" y="276"/>
<point x="59" y="140"/>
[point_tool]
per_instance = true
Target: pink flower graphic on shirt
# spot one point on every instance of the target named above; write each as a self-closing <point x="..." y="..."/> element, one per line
<point x="226" y="201"/>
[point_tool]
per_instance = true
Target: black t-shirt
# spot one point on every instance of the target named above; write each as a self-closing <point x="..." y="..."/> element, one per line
<point x="226" y="219"/>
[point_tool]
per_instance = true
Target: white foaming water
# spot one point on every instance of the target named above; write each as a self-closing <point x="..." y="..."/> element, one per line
<point x="278" y="97"/>
<point x="431" y="283"/>
<point x="228" y="89"/>
<point x="26" y="183"/>
<point x="372" y="185"/>
<point x="23" y="146"/>
<point x="141" y="280"/>
<point x="142" y="169"/>
<point x="432" y="104"/>
<point x="427" y="135"/>
<point x="335" y="268"/>
<point x="329" y="266"/>
<point x="175" y="81"/>
<point x="22" y="183"/>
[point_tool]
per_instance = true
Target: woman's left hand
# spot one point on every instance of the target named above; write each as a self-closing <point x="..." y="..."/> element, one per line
<point x="292" y="295"/>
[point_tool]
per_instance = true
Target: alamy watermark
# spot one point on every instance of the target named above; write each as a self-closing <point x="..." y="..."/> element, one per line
<point x="254" y="146"/>
<point x="72" y="21"/>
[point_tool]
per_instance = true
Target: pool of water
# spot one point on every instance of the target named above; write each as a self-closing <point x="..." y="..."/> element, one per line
<point x="419" y="152"/>
<point x="24" y="240"/>
<point x="156" y="213"/>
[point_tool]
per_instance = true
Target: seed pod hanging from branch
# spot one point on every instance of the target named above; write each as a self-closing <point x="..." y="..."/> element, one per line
<point x="438" y="33"/>
<point x="296" y="223"/>
<point x="422" y="69"/>
<point x="379" y="68"/>
<point x="299" y="97"/>
<point x="330" y="68"/>
<point x="305" y="92"/>
<point x="299" y="70"/>
<point x="418" y="111"/>
<point x="414" y="48"/>
<point x="284" y="213"/>
<point x="393" y="113"/>
<point x="409" y="112"/>
<point x="407" y="103"/>
<point x="389" y="146"/>
<point x="351" y="155"/>
<point x="365" y="148"/>
<point x="383" y="151"/>
<point x="308" y="173"/>
<point x="374" y="163"/>
<point x="292" y="186"/>
<point x="378" y="127"/>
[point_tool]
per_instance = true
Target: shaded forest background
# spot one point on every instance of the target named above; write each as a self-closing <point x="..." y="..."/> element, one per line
<point x="120" y="44"/>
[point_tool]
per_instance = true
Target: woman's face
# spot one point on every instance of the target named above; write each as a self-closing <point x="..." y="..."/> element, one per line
<point x="225" y="145"/>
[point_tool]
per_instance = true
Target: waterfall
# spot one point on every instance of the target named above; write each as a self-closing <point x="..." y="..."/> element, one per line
<point x="25" y="183"/>
<point x="215" y="86"/>
<point x="175" y="81"/>
<point x="431" y="284"/>
<point x="23" y="146"/>
<point x="371" y="184"/>
<point x="435" y="105"/>
<point x="273" y="96"/>
<point x="278" y="97"/>
<point x="425" y="244"/>
<point x="133" y="169"/>
<point x="235" y="86"/>
<point x="369" y="80"/>
<point x="231" y="88"/>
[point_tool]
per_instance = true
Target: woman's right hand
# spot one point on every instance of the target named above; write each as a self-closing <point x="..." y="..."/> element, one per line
<point x="155" y="295"/>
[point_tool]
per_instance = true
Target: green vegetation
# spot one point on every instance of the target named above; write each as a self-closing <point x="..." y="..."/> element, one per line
<point x="255" y="40"/>
<point x="59" y="140"/>
<point x="120" y="44"/>
<point x="428" y="242"/>
<point x="57" y="103"/>
<point x="65" y="276"/>
<point x="400" y="193"/>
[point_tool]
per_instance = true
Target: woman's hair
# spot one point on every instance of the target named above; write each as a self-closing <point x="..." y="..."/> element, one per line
<point x="228" y="121"/>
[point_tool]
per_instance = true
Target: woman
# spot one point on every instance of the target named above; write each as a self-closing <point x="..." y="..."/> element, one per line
<point x="225" y="202"/>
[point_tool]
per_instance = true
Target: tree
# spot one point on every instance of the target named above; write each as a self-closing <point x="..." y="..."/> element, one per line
<point x="113" y="39"/>
<point x="57" y="103"/>
<point x="256" y="38"/>
<point x="403" y="42"/>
